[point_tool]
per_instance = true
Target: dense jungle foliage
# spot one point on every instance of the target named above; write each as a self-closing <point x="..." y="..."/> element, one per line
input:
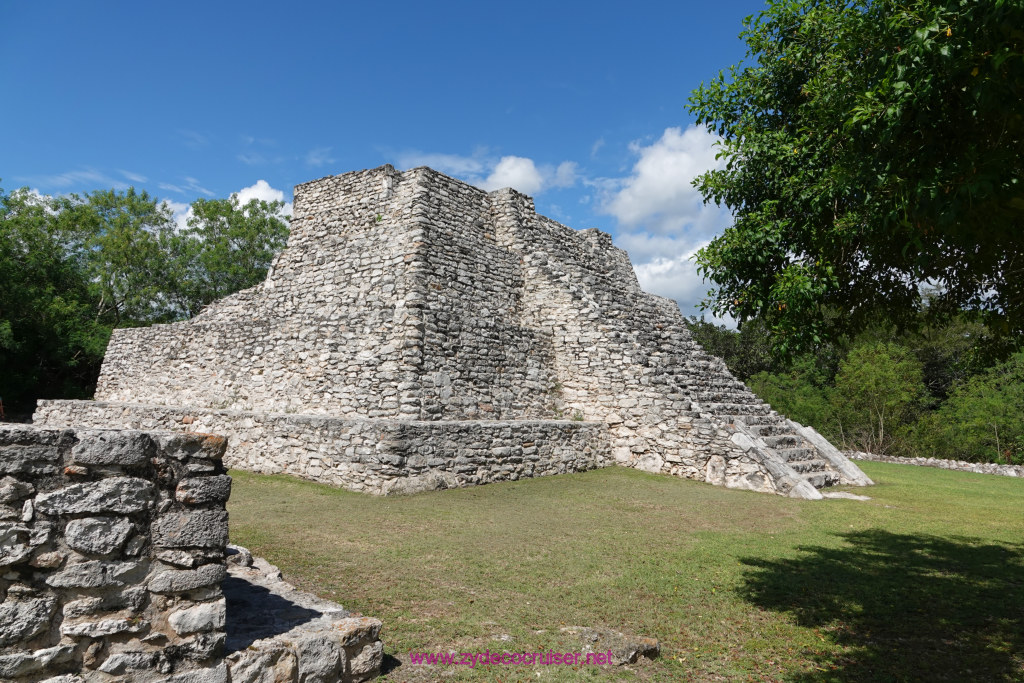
<point x="950" y="390"/>
<point x="73" y="268"/>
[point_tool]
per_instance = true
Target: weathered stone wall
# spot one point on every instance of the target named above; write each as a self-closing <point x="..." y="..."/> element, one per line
<point x="959" y="465"/>
<point x="411" y="296"/>
<point x="373" y="456"/>
<point x="112" y="553"/>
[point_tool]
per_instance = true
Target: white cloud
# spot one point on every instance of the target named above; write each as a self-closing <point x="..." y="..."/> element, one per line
<point x="319" y="156"/>
<point x="180" y="213"/>
<point x="566" y="174"/>
<point x="490" y="173"/>
<point x="262" y="191"/>
<point x="659" y="193"/>
<point x="89" y="177"/>
<point x="195" y="186"/>
<point x="663" y="218"/>
<point x="677" y="278"/>
<point x="518" y="173"/>
<point x="596" y="147"/>
<point x="190" y="185"/>
<point x="252" y="158"/>
<point x="134" y="177"/>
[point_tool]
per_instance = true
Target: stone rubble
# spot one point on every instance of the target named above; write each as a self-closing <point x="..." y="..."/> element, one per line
<point x="960" y="465"/>
<point x="419" y="333"/>
<point x="277" y="633"/>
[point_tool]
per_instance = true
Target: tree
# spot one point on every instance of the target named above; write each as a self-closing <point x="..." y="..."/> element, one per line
<point x="800" y="393"/>
<point x="226" y="247"/>
<point x="72" y="268"/>
<point x="877" y="392"/>
<point x="872" y="146"/>
<point x="51" y="339"/>
<point x="121" y="238"/>
<point x="981" y="421"/>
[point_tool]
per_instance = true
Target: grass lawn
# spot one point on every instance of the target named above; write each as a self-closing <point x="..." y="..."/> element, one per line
<point x="923" y="582"/>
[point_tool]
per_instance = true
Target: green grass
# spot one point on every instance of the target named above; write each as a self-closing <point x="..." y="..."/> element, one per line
<point x="923" y="582"/>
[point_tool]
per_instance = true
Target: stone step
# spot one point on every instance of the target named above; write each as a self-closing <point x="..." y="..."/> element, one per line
<point x="820" y="480"/>
<point x="809" y="466"/>
<point x="784" y="441"/>
<point x="755" y="420"/>
<point x="724" y="383"/>
<point x="740" y="409"/>
<point x="734" y="398"/>
<point x="770" y="429"/>
<point x="797" y="454"/>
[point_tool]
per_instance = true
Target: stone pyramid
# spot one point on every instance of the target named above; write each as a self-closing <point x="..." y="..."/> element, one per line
<point x="418" y="332"/>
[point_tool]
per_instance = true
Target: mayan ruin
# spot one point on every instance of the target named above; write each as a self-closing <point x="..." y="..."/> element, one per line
<point x="419" y="333"/>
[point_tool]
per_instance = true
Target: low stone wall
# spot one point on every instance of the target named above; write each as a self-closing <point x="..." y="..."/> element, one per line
<point x="278" y="633"/>
<point x="112" y="555"/>
<point x="372" y="456"/>
<point x="960" y="465"/>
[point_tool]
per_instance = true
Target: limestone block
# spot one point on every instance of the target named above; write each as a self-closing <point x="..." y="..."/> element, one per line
<point x="102" y="627"/>
<point x="82" y="607"/>
<point x="93" y="574"/>
<point x="33" y="460"/>
<point x="23" y="617"/>
<point x="111" y="447"/>
<point x="207" y="616"/>
<point x="355" y="630"/>
<point x="178" y="580"/>
<point x="188" y="446"/>
<point x="266" y="661"/>
<point x="366" y="662"/>
<point x="12" y="490"/>
<point x="180" y="558"/>
<point x="202" y="490"/>
<point x="191" y="529"/>
<point x="24" y="663"/>
<point x="50" y="560"/>
<point x="214" y="674"/>
<point x="321" y="659"/>
<point x="14" y="544"/>
<point x="97" y="535"/>
<point x="124" y="495"/>
<point x="128" y="661"/>
<point x="715" y="470"/>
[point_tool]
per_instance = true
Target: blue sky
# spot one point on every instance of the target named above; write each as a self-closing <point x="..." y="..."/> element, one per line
<point x="579" y="104"/>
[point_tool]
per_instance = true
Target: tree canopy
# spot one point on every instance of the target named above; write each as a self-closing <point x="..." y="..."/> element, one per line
<point x="72" y="268"/>
<point x="871" y="147"/>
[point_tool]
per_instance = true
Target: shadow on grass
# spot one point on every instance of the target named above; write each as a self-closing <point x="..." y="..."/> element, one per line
<point x="901" y="607"/>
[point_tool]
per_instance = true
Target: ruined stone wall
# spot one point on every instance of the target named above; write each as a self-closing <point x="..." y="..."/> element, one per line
<point x="480" y="359"/>
<point x="323" y="334"/>
<point x="112" y="553"/>
<point x="372" y="456"/>
<point x="412" y="296"/>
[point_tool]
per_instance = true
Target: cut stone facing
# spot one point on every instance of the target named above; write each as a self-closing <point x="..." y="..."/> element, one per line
<point x="97" y="535"/>
<point x="191" y="529"/>
<point x="180" y="580"/>
<point x="123" y="495"/>
<point x="111" y="447"/>
<point x="23" y="618"/>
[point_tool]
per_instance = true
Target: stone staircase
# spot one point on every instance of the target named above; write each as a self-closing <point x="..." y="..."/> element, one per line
<point x="778" y="435"/>
<point x="732" y="403"/>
